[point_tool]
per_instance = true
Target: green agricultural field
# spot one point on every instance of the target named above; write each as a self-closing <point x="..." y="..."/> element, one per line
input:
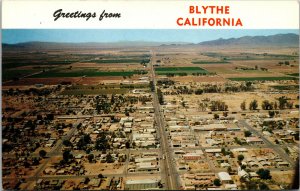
<point x="262" y="78"/>
<point x="294" y="74"/>
<point x="250" y="56"/>
<point x="180" y="70"/>
<point x="210" y="62"/>
<point x="85" y="72"/>
<point x="287" y="87"/>
<point x="15" y="74"/>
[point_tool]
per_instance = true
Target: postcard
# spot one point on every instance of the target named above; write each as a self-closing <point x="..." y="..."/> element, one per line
<point x="146" y="95"/>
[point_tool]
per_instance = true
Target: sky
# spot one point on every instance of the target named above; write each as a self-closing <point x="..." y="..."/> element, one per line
<point x="13" y="36"/>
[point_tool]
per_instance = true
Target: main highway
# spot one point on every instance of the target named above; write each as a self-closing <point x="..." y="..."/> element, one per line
<point x="167" y="166"/>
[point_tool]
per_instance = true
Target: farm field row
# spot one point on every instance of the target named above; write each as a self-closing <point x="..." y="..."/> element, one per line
<point x="180" y="70"/>
<point x="85" y="73"/>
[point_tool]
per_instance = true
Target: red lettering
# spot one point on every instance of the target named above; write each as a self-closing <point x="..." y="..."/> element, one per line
<point x="192" y="9"/>
<point x="179" y="23"/>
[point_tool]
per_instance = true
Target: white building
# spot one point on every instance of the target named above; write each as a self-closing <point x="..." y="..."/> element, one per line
<point x="141" y="184"/>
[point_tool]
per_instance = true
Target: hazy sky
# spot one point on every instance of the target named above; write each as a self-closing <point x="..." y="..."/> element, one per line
<point x="13" y="36"/>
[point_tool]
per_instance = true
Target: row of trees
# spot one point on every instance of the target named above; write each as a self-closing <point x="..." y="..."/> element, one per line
<point x="218" y="106"/>
<point x="160" y="96"/>
<point x="283" y="103"/>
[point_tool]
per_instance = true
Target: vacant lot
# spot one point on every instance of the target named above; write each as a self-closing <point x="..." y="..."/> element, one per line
<point x="210" y="62"/>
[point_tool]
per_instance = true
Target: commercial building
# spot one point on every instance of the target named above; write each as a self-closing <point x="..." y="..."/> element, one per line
<point x="141" y="184"/>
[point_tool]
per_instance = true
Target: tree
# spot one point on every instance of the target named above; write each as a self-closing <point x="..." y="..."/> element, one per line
<point x="264" y="174"/>
<point x="216" y="116"/>
<point x="83" y="141"/>
<point x="133" y="144"/>
<point x="67" y="155"/>
<point x="247" y="133"/>
<point x="109" y="158"/>
<point x="229" y="169"/>
<point x="271" y="114"/>
<point x="223" y="151"/>
<point x="90" y="157"/>
<point x="86" y="180"/>
<point x="42" y="153"/>
<point x="160" y="97"/>
<point x="217" y="182"/>
<point x="289" y="105"/>
<point x="253" y="105"/>
<point x="241" y="157"/>
<point x="225" y="114"/>
<point x="275" y="105"/>
<point x="263" y="186"/>
<point x="282" y="102"/>
<point x="243" y="105"/>
<point x="287" y="150"/>
<point x="67" y="143"/>
<point x="127" y="145"/>
<point x="198" y="91"/>
<point x="100" y="176"/>
<point x="266" y="105"/>
<point x="102" y="143"/>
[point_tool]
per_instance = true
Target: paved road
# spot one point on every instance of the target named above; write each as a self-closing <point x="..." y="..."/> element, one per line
<point x="166" y="163"/>
<point x="275" y="147"/>
<point x="64" y="177"/>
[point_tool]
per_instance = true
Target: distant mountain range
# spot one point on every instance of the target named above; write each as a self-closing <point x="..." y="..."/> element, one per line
<point x="84" y="45"/>
<point x="289" y="39"/>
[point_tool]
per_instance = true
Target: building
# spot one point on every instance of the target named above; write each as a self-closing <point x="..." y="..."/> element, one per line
<point x="254" y="140"/>
<point x="210" y="127"/>
<point x="141" y="184"/>
<point x="224" y="177"/>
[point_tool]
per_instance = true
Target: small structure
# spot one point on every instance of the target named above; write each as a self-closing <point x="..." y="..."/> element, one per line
<point x="224" y="177"/>
<point x="141" y="184"/>
<point x="254" y="140"/>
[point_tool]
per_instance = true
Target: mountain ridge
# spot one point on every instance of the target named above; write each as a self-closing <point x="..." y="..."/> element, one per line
<point x="288" y="39"/>
<point x="278" y="39"/>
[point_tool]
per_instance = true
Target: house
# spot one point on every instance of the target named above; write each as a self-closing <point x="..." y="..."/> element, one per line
<point x="230" y="186"/>
<point x="146" y="166"/>
<point x="253" y="175"/>
<point x="192" y="156"/>
<point x="282" y="164"/>
<point x="241" y="150"/>
<point x="224" y="177"/>
<point x="242" y="173"/>
<point x="95" y="182"/>
<point x="212" y="150"/>
<point x="254" y="140"/>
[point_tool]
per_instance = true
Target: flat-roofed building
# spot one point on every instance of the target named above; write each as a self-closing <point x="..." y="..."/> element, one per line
<point x="141" y="184"/>
<point x="254" y="140"/>
<point x="224" y="177"/>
